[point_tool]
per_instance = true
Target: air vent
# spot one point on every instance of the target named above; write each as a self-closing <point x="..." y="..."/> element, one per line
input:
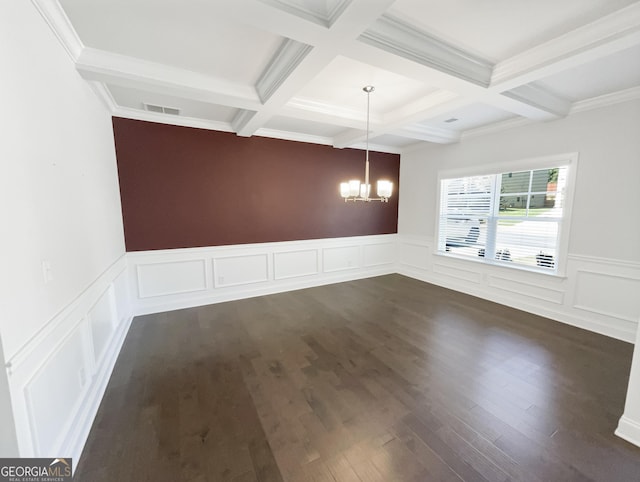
<point x="162" y="110"/>
<point x="451" y="119"/>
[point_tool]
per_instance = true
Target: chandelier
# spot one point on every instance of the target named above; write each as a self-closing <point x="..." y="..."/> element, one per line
<point x="353" y="190"/>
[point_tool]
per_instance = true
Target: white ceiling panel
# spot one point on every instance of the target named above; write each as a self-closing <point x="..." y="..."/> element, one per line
<point x="595" y="78"/>
<point x="188" y="34"/>
<point x="499" y="29"/>
<point x="340" y="84"/>
<point x="468" y="117"/>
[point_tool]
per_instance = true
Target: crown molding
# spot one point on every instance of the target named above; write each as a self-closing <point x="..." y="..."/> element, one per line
<point x="57" y="19"/>
<point x="292" y="136"/>
<point x="116" y="69"/>
<point x="138" y="114"/>
<point x="378" y="148"/>
<point x="606" y="100"/>
<point x="284" y="62"/>
<point x="397" y="37"/>
<point x="373" y="147"/>
<point x="241" y="119"/>
<point x="614" y="32"/>
<point x="293" y="8"/>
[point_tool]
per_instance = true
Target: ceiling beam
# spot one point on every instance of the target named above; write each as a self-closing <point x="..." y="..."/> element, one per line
<point x="605" y="36"/>
<point x="361" y="30"/>
<point x="398" y="37"/>
<point x="536" y="96"/>
<point x="125" y="71"/>
<point x="288" y="81"/>
<point x="429" y="134"/>
<point x="284" y="62"/>
<point x="473" y="92"/>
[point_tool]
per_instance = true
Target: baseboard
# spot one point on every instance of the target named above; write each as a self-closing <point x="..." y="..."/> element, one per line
<point x="629" y="430"/>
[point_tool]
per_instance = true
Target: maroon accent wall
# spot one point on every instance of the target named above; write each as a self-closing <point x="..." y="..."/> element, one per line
<point x="184" y="187"/>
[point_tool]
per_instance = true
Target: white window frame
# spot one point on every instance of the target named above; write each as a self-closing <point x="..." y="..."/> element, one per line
<point x="547" y="162"/>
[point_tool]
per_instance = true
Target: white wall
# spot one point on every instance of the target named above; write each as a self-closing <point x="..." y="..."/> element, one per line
<point x="602" y="279"/>
<point x="602" y="282"/>
<point x="629" y="425"/>
<point x="8" y="441"/>
<point x="60" y="204"/>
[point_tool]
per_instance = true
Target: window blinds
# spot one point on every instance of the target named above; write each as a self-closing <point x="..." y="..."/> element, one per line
<point x="511" y="217"/>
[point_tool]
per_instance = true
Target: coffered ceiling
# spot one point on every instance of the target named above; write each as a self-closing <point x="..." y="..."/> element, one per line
<point x="294" y="69"/>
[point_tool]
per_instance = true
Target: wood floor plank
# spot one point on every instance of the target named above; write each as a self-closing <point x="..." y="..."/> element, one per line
<point x="380" y="379"/>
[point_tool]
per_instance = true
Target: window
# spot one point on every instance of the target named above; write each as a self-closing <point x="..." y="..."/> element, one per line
<point x="512" y="218"/>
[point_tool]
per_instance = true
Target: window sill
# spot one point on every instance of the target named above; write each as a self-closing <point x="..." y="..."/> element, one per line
<point x="559" y="274"/>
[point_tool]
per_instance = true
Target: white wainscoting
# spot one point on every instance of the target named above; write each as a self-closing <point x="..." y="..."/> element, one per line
<point x="240" y="270"/>
<point x="596" y="294"/>
<point x="58" y="378"/>
<point x="294" y="264"/>
<point x="181" y="278"/>
<point x="341" y="258"/>
<point x="159" y="279"/>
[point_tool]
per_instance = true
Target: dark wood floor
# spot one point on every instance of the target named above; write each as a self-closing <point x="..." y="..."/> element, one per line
<point x="383" y="379"/>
